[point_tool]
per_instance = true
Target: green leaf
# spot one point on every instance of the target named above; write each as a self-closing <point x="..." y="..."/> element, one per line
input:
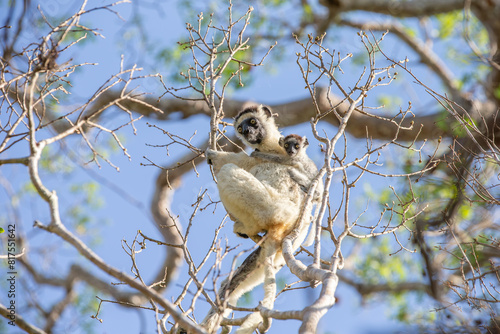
<point x="448" y="23"/>
<point x="308" y="14"/>
<point x="497" y="92"/>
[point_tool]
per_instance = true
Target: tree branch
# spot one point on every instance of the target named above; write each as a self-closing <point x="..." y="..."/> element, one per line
<point x="427" y="56"/>
<point x="397" y="8"/>
<point x="20" y="322"/>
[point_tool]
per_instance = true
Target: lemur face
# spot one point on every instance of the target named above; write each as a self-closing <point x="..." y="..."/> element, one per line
<point x="292" y="147"/>
<point x="252" y="129"/>
<point x="294" y="143"/>
<point x="252" y="124"/>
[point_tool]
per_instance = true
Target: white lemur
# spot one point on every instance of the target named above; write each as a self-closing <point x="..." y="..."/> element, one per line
<point x="260" y="196"/>
<point x="304" y="168"/>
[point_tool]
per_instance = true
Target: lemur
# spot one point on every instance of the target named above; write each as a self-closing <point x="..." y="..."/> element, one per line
<point x="261" y="196"/>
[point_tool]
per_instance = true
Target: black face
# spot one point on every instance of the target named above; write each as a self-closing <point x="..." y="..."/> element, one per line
<point x="292" y="147"/>
<point x="252" y="130"/>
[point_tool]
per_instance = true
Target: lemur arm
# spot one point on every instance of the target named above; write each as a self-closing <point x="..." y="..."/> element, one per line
<point x="272" y="157"/>
<point x="220" y="158"/>
<point x="300" y="178"/>
<point x="304" y="178"/>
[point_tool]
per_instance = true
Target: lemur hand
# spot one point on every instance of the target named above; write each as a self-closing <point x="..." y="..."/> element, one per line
<point x="210" y="155"/>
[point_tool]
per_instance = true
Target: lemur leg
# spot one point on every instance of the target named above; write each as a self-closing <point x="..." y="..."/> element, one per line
<point x="253" y="204"/>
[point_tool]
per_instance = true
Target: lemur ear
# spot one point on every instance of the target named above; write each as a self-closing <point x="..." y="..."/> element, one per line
<point x="304" y="141"/>
<point x="281" y="141"/>
<point x="266" y="110"/>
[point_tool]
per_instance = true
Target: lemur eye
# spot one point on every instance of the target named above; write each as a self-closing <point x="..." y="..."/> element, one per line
<point x="240" y="129"/>
<point x="252" y="121"/>
<point x="286" y="145"/>
<point x="297" y="146"/>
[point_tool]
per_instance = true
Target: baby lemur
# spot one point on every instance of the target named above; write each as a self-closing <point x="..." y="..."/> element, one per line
<point x="304" y="169"/>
